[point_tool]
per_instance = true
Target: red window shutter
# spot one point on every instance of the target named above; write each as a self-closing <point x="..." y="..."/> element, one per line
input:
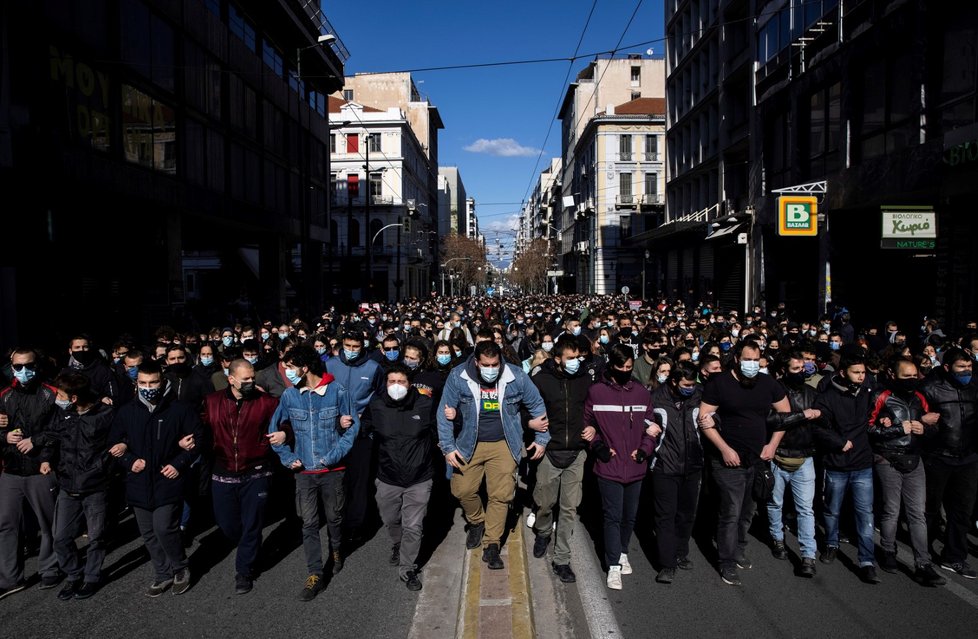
<point x="353" y="185"/>
<point x="353" y="143"/>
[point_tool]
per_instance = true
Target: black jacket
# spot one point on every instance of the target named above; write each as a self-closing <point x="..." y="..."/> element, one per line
<point x="100" y="376"/>
<point x="800" y="434"/>
<point x="846" y="415"/>
<point x="28" y="408"/>
<point x="564" y="397"/>
<point x="82" y="448"/>
<point x="190" y="387"/>
<point x="153" y="437"/>
<point x="679" y="451"/>
<point x="958" y="406"/>
<point x="405" y="435"/>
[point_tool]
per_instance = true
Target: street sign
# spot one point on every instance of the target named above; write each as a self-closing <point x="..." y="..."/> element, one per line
<point x="634" y="305"/>
<point x="555" y="273"/>
<point x="909" y="227"/>
<point x="490" y="291"/>
<point x="624" y="290"/>
<point x="797" y="216"/>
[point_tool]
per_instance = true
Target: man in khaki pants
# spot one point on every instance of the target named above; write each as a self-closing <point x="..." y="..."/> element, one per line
<point x="487" y="394"/>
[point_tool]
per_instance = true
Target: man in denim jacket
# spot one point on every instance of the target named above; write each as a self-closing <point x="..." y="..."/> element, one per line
<point x="325" y="423"/>
<point x="488" y="394"/>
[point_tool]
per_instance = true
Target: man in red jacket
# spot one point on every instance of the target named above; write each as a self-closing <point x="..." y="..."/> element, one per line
<point x="238" y="419"/>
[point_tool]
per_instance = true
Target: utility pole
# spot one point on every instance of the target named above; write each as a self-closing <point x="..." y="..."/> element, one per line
<point x="368" y="286"/>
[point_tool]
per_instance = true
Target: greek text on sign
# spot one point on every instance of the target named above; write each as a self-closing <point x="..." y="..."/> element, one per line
<point x="797" y="216"/>
<point x="909" y="224"/>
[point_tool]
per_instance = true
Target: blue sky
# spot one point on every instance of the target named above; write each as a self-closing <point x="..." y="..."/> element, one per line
<point x="500" y="114"/>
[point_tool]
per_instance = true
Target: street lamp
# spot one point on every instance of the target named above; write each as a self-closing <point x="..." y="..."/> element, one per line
<point x="644" y="264"/>
<point x="452" y="277"/>
<point x="370" y="256"/>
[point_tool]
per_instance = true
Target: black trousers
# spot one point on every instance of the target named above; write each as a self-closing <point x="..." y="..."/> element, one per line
<point x="675" y="498"/>
<point x="954" y="487"/>
<point x="360" y="508"/>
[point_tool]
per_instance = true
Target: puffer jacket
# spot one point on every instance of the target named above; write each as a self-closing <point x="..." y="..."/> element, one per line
<point x="620" y="415"/>
<point x="957" y="430"/>
<point x="405" y="435"/>
<point x="30" y="409"/>
<point x="679" y="451"/>
<point x="82" y="448"/>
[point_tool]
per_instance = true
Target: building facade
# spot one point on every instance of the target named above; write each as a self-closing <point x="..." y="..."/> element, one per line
<point x="451" y="197"/>
<point x="170" y="161"/>
<point x="612" y="122"/>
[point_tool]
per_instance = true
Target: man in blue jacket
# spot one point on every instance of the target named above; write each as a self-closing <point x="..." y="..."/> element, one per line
<point x="325" y="422"/>
<point x="362" y="377"/>
<point x="488" y="394"/>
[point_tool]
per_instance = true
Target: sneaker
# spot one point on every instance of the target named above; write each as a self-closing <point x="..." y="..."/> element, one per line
<point x="242" y="584"/>
<point x="807" y="567"/>
<point x="730" y="576"/>
<point x="778" y="550"/>
<point x="530" y="519"/>
<point x="626" y="568"/>
<point x="743" y="562"/>
<point x="181" y="581"/>
<point x="69" y="589"/>
<point x="540" y="546"/>
<point x="666" y="575"/>
<point x="491" y="556"/>
<point x="868" y="575"/>
<point x="17" y="587"/>
<point x="474" y="538"/>
<point x="157" y="588"/>
<point x="828" y="555"/>
<point x="683" y="563"/>
<point x="411" y="580"/>
<point x="960" y="567"/>
<point x="338" y="562"/>
<point x="395" y="559"/>
<point x="926" y="576"/>
<point x="314" y="586"/>
<point x="564" y="573"/>
<point x="86" y="590"/>
<point x="888" y="562"/>
<point x="614" y="577"/>
<point x="49" y="581"/>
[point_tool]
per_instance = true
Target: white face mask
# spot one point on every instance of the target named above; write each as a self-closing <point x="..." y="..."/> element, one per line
<point x="397" y="392"/>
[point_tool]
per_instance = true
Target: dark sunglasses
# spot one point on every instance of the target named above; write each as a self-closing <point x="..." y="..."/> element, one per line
<point x="19" y="367"/>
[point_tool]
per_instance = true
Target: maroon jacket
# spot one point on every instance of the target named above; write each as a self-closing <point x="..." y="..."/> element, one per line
<point x="238" y="429"/>
<point x="620" y="415"/>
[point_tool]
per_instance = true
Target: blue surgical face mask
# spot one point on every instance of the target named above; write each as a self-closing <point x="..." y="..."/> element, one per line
<point x="835" y="346"/>
<point x="725" y="346"/>
<point x="686" y="391"/>
<point x="444" y="359"/>
<point x="963" y="378"/>
<point x="265" y="336"/>
<point x="150" y="394"/>
<point x="603" y="339"/>
<point x="24" y="375"/>
<point x="810" y="369"/>
<point x="227" y="340"/>
<point x="321" y="350"/>
<point x="696" y="356"/>
<point x="206" y="361"/>
<point x="489" y="373"/>
<point x="132" y="373"/>
<point x="351" y="355"/>
<point x="572" y="366"/>
<point x="763" y="370"/>
<point x="283" y="335"/>
<point x="412" y="363"/>
<point x="750" y="368"/>
<point x="293" y="376"/>
<point x="547" y="346"/>
<point x="576" y="331"/>
<point x="392" y="355"/>
<point x="251" y="360"/>
<point x="661" y="378"/>
<point x="64" y="404"/>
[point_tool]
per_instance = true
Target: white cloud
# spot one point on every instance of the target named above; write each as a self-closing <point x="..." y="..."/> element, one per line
<point x="501" y="147"/>
<point x="509" y="224"/>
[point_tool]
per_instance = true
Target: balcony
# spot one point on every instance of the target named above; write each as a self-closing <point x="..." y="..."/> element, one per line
<point x="626" y="156"/>
<point x="626" y="201"/>
<point x="652" y="200"/>
<point x="652" y="157"/>
<point x="380" y="200"/>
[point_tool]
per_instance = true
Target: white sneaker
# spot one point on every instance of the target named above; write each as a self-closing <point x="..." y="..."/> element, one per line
<point x="614" y="578"/>
<point x="530" y="519"/>
<point x="626" y="568"/>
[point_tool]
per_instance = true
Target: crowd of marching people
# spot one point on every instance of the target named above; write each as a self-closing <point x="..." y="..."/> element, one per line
<point x="716" y="415"/>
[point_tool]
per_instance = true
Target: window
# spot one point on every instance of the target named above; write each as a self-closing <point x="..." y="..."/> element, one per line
<point x="652" y="148"/>
<point x="272" y="58"/>
<point x="333" y="185"/>
<point x="348" y="95"/>
<point x="242" y="27"/>
<point x="150" y="131"/>
<point x="636" y="95"/>
<point x="353" y="233"/>
<point x="376" y="186"/>
<point x="625" y="147"/>
<point x="332" y="143"/>
<point x="352" y="142"/>
<point x="636" y="75"/>
<point x="373" y="143"/>
<point x="147" y="43"/>
<point x="625" y="188"/>
<point x="888" y="105"/>
<point x="651" y="188"/>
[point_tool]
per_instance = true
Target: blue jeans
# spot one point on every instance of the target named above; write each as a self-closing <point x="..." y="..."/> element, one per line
<point x="240" y="513"/>
<point x="803" y="492"/>
<point x="860" y="483"/>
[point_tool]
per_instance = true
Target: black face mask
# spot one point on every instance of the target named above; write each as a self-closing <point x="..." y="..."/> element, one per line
<point x="794" y="379"/>
<point x="906" y="386"/>
<point x="620" y="377"/>
<point x="180" y="370"/>
<point x="247" y="389"/>
<point x="84" y="357"/>
<point x="653" y="353"/>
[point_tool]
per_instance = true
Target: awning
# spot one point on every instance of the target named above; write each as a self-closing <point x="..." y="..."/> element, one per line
<point x="726" y="231"/>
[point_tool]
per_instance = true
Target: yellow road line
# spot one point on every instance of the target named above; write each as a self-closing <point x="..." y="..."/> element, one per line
<point x="519" y="586"/>
<point x="472" y="595"/>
